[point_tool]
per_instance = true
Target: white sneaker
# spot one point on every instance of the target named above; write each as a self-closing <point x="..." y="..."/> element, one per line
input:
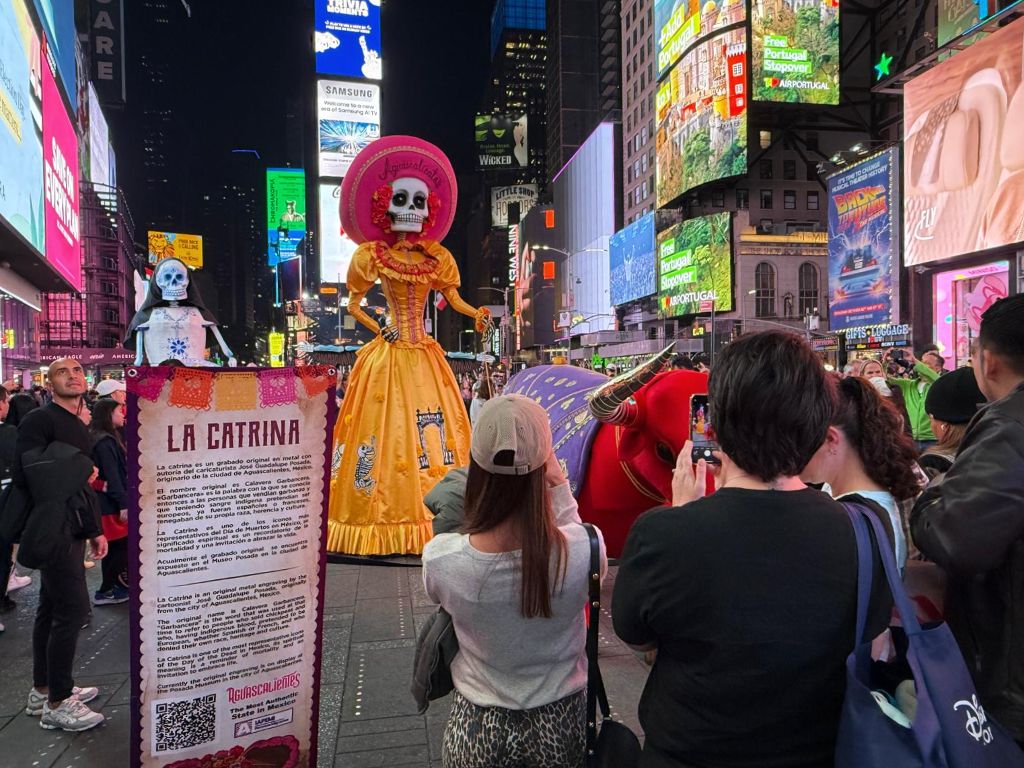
<point x="34" y="707"/>
<point x="71" y="715"/>
<point x="18" y="582"/>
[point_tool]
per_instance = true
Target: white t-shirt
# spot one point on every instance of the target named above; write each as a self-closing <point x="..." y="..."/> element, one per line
<point x="888" y="503"/>
<point x="504" y="659"/>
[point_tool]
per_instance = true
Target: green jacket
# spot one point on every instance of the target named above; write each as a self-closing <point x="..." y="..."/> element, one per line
<point x="914" y="393"/>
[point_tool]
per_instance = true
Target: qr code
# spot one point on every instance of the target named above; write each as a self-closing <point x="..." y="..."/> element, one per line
<point x="184" y="724"/>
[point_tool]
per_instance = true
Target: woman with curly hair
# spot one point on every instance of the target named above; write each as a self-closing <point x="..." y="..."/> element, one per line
<point x="867" y="453"/>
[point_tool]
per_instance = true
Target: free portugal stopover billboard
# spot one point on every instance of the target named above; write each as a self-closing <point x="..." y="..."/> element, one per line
<point x="863" y="243"/>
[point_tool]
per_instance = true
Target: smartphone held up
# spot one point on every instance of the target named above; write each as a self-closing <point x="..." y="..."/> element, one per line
<point x="701" y="431"/>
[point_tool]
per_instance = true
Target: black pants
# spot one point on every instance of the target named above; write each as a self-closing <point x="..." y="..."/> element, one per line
<point x="63" y="609"/>
<point x="115" y="565"/>
<point x="6" y="555"/>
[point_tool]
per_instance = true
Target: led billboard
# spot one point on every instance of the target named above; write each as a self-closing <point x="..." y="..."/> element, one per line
<point x="963" y="164"/>
<point x="702" y="116"/>
<point x="286" y="213"/>
<point x="58" y="17"/>
<point x="863" y="243"/>
<point x="99" y="142"/>
<point x="60" y="183"/>
<point x="631" y="254"/>
<point x="678" y="24"/>
<point x="795" y="51"/>
<point x="336" y="248"/>
<point x="957" y="17"/>
<point x="502" y="141"/>
<point x="166" y="245"/>
<point x="347" y="38"/>
<point x="21" y="129"/>
<point x="695" y="266"/>
<point x="349" y="119"/>
<point x="502" y="197"/>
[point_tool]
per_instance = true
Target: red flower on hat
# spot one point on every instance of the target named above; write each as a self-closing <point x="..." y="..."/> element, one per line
<point x="379" y="207"/>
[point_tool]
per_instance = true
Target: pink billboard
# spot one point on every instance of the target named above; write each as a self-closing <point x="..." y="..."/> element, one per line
<point x="60" y="183"/>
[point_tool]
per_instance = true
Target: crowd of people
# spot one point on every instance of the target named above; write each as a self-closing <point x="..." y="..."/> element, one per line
<point x="746" y="597"/>
<point x="64" y="504"/>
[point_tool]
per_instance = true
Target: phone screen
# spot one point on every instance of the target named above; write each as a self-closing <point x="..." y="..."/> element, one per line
<point x="700" y="429"/>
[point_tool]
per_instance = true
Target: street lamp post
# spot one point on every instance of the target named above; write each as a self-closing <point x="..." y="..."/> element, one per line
<point x="573" y="282"/>
<point x="502" y="336"/>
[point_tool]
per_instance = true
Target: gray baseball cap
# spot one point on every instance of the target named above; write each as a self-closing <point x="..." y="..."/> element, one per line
<point x="513" y="430"/>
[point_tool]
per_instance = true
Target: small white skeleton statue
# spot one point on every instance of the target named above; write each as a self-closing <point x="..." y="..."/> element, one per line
<point x="172" y="322"/>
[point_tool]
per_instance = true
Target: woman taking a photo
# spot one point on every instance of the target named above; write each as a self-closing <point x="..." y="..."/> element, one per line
<point x="108" y="453"/>
<point x="748" y="594"/>
<point x="867" y="453"/>
<point x="515" y="583"/>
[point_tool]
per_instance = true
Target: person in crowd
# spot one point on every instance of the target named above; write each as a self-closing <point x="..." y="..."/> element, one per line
<point x="447" y="501"/>
<point x="19" y="407"/>
<point x="702" y="363"/>
<point x="483" y="390"/>
<point x="853" y="368"/>
<point x="915" y="391"/>
<point x="935" y="361"/>
<point x="10" y="579"/>
<point x="682" y="363"/>
<point x="113" y="389"/>
<point x="873" y="372"/>
<point x="749" y="594"/>
<point x="108" y="453"/>
<point x="515" y="583"/>
<point x="952" y="402"/>
<point x="63" y="595"/>
<point x="972" y="522"/>
<point x="867" y="454"/>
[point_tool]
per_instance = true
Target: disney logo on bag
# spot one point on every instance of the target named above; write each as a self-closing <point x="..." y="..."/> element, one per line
<point x="976" y="719"/>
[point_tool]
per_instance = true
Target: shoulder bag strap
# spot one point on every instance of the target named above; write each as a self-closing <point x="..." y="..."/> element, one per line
<point x="865" y="552"/>
<point x="595" y="685"/>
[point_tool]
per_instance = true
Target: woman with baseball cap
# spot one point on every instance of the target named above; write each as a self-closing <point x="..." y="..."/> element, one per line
<point x="515" y="583"/>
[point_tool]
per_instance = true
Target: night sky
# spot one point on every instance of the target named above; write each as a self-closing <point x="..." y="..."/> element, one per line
<point x="245" y="64"/>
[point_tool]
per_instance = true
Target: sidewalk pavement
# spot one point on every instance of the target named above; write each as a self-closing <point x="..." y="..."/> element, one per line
<point x="367" y="715"/>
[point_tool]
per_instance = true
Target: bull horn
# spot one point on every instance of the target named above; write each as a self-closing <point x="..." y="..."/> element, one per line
<point x="611" y="402"/>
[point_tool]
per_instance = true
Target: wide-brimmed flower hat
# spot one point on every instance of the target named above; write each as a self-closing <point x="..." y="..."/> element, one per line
<point x="366" y="190"/>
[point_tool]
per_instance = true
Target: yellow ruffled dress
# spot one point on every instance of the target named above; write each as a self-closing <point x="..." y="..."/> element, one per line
<point x="403" y="424"/>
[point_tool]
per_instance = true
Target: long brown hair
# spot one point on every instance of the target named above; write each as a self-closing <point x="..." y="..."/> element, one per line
<point x="951" y="437"/>
<point x="873" y="425"/>
<point x="493" y="499"/>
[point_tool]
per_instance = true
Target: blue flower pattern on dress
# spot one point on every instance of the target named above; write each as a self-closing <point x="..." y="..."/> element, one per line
<point x="177" y="347"/>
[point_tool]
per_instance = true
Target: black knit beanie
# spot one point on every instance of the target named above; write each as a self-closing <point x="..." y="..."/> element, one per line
<point x="954" y="397"/>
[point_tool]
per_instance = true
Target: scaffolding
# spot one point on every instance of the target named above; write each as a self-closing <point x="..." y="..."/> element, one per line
<point x="97" y="317"/>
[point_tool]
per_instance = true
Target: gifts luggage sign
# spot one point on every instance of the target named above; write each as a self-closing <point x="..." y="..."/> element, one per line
<point x="229" y="475"/>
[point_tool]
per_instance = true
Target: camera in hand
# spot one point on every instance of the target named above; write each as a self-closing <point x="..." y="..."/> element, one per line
<point x="700" y="431"/>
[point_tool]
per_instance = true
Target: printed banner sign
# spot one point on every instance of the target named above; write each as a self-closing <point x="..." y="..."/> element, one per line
<point x="863" y="243"/>
<point x="166" y="245"/>
<point x="502" y="141"/>
<point x="349" y="119"/>
<point x="229" y="480"/>
<point x="502" y="197"/>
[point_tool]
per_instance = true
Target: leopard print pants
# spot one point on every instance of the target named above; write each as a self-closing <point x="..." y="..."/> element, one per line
<point x="551" y="736"/>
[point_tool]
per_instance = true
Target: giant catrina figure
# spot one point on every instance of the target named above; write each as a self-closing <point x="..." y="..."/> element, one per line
<point x="403" y="424"/>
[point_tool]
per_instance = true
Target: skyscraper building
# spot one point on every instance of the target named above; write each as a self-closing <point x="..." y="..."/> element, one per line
<point x="583" y="73"/>
<point x="516" y="85"/>
<point x="638" y="87"/>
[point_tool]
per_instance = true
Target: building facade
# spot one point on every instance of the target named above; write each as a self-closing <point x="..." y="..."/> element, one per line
<point x="639" y="84"/>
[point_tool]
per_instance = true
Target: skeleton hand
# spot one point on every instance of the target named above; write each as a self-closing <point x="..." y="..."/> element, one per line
<point x="483" y="320"/>
<point x="390" y="333"/>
